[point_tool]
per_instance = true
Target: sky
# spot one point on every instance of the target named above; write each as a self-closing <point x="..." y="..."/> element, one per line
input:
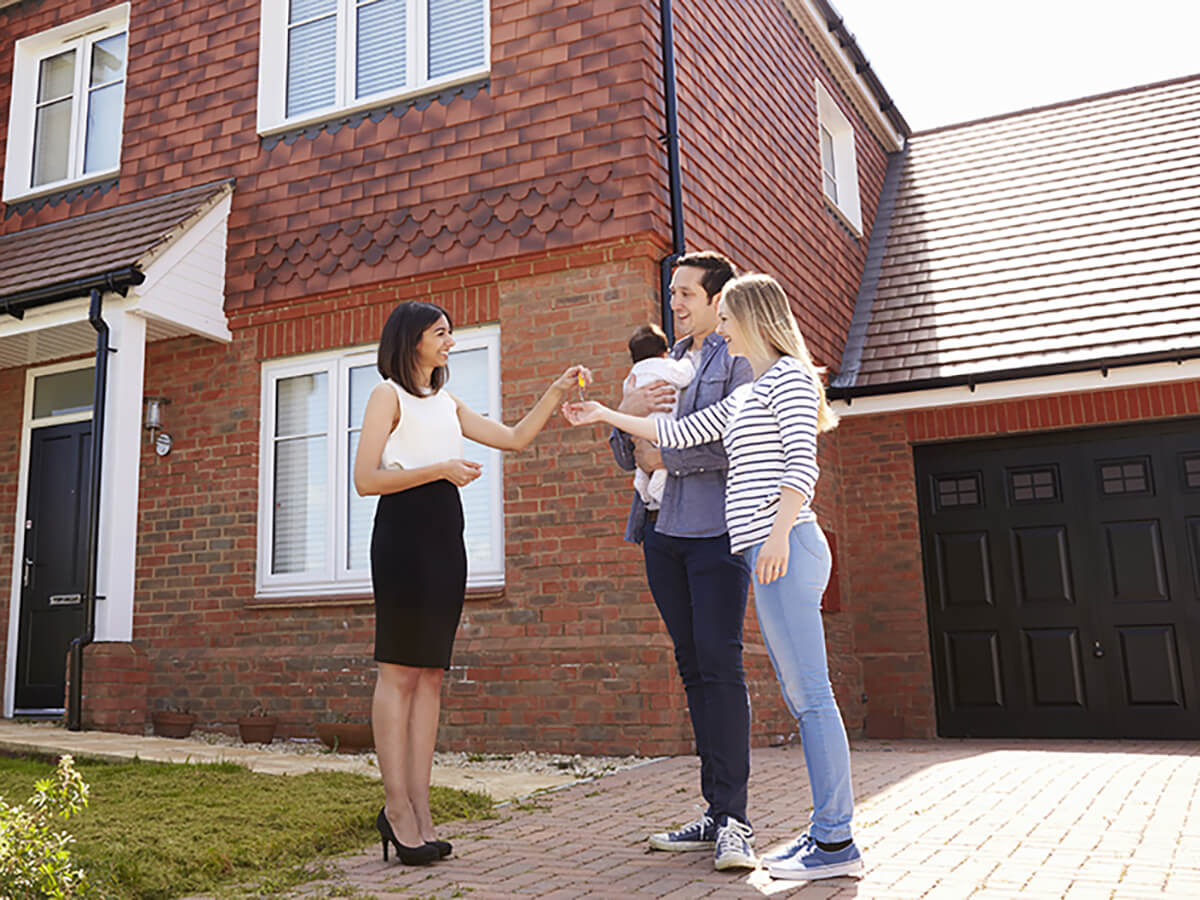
<point x="950" y="61"/>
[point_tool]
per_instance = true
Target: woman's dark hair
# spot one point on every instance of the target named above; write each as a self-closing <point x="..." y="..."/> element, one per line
<point x="398" y="345"/>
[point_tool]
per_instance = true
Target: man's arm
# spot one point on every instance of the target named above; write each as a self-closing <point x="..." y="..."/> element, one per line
<point x="622" y="449"/>
<point x="708" y="457"/>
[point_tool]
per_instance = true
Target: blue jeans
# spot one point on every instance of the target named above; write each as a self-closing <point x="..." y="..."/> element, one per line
<point x="789" y="614"/>
<point x="700" y="590"/>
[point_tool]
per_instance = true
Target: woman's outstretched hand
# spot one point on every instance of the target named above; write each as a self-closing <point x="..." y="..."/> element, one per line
<point x="569" y="381"/>
<point x="583" y="413"/>
<point x="461" y="471"/>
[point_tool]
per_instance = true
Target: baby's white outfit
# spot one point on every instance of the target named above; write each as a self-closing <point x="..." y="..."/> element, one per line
<point x="676" y="372"/>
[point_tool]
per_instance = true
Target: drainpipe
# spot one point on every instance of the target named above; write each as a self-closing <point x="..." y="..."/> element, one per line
<point x="75" y="700"/>
<point x="671" y="139"/>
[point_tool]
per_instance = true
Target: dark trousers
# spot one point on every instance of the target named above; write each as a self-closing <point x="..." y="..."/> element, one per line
<point x="700" y="590"/>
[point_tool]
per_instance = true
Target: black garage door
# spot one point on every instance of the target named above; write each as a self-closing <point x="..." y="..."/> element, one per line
<point x="1062" y="573"/>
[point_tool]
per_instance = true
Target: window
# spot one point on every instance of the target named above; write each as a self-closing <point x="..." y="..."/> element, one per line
<point x="314" y="529"/>
<point x="68" y="104"/>
<point x="326" y="56"/>
<point x="1125" y="476"/>
<point x="1034" y="485"/>
<point x="839" y="164"/>
<point x="956" y="491"/>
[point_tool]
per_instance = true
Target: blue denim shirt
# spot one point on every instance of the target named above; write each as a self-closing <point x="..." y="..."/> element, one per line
<point x="693" y="504"/>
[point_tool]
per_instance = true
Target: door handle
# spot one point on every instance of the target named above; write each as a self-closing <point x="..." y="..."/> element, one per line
<point x="1097" y="650"/>
<point x="25" y="572"/>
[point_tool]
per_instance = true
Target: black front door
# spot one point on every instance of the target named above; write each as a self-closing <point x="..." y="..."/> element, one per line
<point x="1062" y="573"/>
<point x="53" y="573"/>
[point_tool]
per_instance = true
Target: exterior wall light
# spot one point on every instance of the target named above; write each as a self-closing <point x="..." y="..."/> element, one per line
<point x="153" y="424"/>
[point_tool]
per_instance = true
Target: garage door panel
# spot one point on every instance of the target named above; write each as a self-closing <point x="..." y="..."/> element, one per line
<point x="1042" y="565"/>
<point x="1191" y="532"/>
<point x="964" y="569"/>
<point x="973" y="669"/>
<point x="1054" y="668"/>
<point x="1136" y="567"/>
<point x="1150" y="664"/>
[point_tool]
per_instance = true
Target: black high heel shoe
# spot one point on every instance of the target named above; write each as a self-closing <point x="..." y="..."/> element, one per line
<point x="443" y="847"/>
<point x="410" y="856"/>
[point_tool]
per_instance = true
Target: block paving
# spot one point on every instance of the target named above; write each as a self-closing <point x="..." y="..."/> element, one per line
<point x="937" y="819"/>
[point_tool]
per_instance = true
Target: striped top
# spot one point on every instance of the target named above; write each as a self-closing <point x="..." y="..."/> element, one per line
<point x="769" y="428"/>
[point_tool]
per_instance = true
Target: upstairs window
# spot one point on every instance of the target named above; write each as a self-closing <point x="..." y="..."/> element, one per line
<point x="331" y="56"/>
<point x="68" y="104"/>
<point x="839" y="164"/>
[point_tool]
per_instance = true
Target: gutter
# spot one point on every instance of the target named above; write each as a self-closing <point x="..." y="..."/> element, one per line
<point x="674" y="178"/>
<point x="862" y="66"/>
<point x="118" y="281"/>
<point x="1103" y="364"/>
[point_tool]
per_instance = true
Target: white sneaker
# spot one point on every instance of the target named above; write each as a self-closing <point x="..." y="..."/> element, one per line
<point x="733" y="846"/>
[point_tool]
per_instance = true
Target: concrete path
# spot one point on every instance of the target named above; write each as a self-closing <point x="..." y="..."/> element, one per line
<point x="18" y="737"/>
<point x="945" y="819"/>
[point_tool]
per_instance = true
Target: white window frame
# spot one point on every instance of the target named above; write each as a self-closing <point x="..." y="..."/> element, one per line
<point x="336" y="578"/>
<point x="845" y="161"/>
<point x="28" y="53"/>
<point x="272" y="66"/>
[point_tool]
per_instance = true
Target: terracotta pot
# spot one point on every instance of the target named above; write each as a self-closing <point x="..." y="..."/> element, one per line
<point x="257" y="729"/>
<point x="346" y="737"/>
<point x="173" y="724"/>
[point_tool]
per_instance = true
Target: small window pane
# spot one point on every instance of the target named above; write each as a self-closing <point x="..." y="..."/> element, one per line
<point x="56" y="77"/>
<point x="103" y="142"/>
<point x="456" y="38"/>
<point x="312" y="62"/>
<point x="362" y="381"/>
<point x="63" y="393"/>
<point x="302" y="405"/>
<point x="1191" y="472"/>
<point x="108" y="60"/>
<point x="382" y="42"/>
<point x="299" y="10"/>
<point x="957" y="491"/>
<point x="301" y="505"/>
<point x="360" y="517"/>
<point x="1125" y="476"/>
<point x="52" y="143"/>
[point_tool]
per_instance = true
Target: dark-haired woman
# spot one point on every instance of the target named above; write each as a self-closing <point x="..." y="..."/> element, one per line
<point x="410" y="454"/>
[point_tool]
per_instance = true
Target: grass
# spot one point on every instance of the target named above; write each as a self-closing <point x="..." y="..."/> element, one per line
<point x="154" y="831"/>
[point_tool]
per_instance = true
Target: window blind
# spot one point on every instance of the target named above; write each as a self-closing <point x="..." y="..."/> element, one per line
<point x="456" y="38"/>
<point x="382" y="62"/>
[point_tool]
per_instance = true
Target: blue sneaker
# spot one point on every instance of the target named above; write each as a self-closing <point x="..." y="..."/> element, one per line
<point x="698" y="835"/>
<point x="803" y="842"/>
<point x="809" y="862"/>
<point x="733" y="846"/>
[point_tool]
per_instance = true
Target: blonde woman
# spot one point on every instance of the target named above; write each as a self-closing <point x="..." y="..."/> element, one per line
<point x="769" y="428"/>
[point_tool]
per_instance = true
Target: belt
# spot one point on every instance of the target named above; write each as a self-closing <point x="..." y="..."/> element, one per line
<point x="652" y="515"/>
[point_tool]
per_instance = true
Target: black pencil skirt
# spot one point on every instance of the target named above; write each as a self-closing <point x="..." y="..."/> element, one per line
<point x="419" y="573"/>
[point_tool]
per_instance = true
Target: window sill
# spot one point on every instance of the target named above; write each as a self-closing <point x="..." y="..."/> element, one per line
<point x="352" y="597"/>
<point x="61" y="188"/>
<point x="855" y="230"/>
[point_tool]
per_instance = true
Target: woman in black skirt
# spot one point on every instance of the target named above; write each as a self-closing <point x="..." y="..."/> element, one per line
<point x="410" y="454"/>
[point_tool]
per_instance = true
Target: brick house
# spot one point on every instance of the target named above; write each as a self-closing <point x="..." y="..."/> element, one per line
<point x="240" y="191"/>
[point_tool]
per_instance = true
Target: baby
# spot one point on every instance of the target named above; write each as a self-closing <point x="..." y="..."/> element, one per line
<point x="648" y="347"/>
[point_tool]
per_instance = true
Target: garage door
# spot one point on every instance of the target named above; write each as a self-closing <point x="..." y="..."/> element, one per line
<point x="1062" y="573"/>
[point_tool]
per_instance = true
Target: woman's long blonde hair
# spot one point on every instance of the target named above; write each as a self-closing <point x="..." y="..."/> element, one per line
<point x="760" y="307"/>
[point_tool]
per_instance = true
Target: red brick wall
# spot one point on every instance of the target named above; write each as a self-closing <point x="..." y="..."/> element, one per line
<point x="557" y="151"/>
<point x="751" y="160"/>
<point x="882" y="573"/>
<point x="572" y="656"/>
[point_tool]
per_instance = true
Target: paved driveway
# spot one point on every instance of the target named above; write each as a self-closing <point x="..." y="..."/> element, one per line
<point x="944" y="819"/>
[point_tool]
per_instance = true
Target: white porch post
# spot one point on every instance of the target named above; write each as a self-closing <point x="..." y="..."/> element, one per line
<point x="119" y="474"/>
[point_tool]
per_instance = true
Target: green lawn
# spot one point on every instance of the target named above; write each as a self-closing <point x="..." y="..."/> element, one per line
<point x="155" y="830"/>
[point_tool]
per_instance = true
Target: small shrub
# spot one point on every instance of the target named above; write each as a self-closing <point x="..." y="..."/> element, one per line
<point x="35" y="859"/>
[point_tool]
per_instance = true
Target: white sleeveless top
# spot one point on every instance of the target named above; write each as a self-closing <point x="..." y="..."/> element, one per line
<point x="429" y="431"/>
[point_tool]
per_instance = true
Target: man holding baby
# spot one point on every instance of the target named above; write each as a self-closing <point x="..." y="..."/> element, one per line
<point x="698" y="586"/>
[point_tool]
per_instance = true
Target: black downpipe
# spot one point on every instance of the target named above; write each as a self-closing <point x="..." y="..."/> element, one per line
<point x="75" y="700"/>
<point x="671" y="139"/>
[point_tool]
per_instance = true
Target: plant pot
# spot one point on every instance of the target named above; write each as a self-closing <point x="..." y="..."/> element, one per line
<point x="257" y="729"/>
<point x="346" y="737"/>
<point x="173" y="724"/>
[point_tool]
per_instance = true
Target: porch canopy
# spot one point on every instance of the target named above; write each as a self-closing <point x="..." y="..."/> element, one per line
<point x="167" y="254"/>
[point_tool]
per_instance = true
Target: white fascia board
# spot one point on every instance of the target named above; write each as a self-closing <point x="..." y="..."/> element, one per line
<point x="66" y="312"/>
<point x="185" y="283"/>
<point x="813" y="23"/>
<point x="1021" y="389"/>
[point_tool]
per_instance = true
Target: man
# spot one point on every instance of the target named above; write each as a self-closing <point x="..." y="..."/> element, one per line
<point x="699" y="587"/>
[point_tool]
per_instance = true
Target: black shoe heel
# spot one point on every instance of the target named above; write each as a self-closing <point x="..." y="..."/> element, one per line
<point x="410" y="856"/>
